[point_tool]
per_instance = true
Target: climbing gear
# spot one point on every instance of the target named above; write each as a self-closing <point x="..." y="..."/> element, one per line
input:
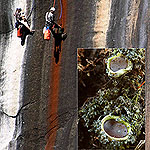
<point x="64" y="36"/>
<point x="61" y="10"/>
<point x="47" y="34"/>
<point x="44" y="29"/>
<point x="54" y="4"/>
<point x="52" y="9"/>
<point x="19" y="33"/>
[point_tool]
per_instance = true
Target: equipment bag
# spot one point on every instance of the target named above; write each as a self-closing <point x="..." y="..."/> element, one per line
<point x="19" y="34"/>
<point x="44" y="29"/>
<point x="47" y="35"/>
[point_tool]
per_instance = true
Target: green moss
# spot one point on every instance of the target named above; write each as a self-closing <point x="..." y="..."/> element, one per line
<point x="120" y="97"/>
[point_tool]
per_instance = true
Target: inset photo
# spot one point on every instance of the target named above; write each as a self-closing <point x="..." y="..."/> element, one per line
<point x="111" y="98"/>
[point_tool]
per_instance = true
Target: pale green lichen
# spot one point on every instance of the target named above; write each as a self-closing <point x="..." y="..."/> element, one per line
<point x="121" y="67"/>
<point x="129" y="110"/>
<point x="120" y="97"/>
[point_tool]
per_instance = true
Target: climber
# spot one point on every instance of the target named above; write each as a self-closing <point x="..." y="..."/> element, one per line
<point x="20" y="19"/>
<point x="52" y="25"/>
<point x="18" y="16"/>
<point x="23" y="28"/>
<point x="50" y="19"/>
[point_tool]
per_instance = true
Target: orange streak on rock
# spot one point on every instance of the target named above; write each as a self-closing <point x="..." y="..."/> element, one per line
<point x="54" y="92"/>
<point x="53" y="107"/>
<point x="64" y="12"/>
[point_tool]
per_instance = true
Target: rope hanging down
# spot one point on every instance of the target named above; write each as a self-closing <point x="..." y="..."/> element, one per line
<point x="60" y="7"/>
<point x="54" y="4"/>
<point x="61" y="10"/>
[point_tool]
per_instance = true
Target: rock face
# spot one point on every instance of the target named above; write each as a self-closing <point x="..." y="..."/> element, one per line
<point x="40" y="74"/>
<point x="128" y="25"/>
<point x="10" y="76"/>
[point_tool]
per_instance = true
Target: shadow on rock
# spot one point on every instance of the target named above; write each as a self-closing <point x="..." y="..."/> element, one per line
<point x="59" y="36"/>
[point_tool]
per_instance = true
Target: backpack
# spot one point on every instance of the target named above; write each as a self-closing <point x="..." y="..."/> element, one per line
<point x="47" y="34"/>
<point x="19" y="33"/>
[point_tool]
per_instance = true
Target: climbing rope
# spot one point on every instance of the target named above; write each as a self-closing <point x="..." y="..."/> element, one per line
<point x="60" y="7"/>
<point x="61" y="10"/>
<point x="54" y="4"/>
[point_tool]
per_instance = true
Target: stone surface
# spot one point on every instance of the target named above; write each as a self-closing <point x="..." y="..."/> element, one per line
<point x="38" y="61"/>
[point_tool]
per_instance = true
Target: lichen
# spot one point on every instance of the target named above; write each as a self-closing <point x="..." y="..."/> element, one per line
<point x="120" y="97"/>
<point x="118" y="65"/>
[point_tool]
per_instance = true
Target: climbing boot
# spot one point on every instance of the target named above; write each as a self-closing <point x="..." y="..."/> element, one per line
<point x="22" y="43"/>
<point x="64" y="36"/>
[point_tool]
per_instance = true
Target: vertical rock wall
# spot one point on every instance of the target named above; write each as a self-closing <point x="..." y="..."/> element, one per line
<point x="10" y="74"/>
<point x="128" y="24"/>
